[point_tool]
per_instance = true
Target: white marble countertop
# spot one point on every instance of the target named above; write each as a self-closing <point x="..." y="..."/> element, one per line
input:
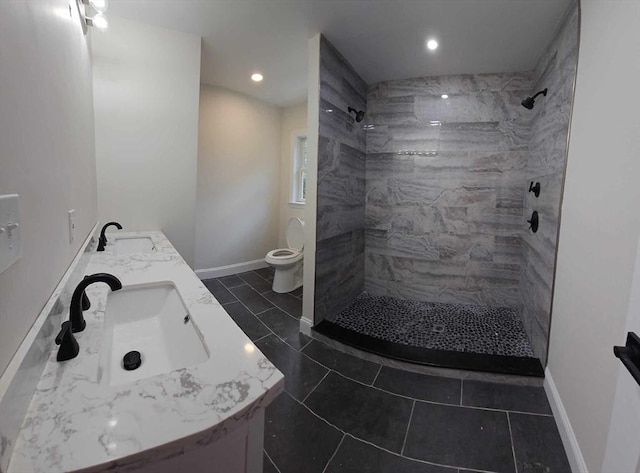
<point x="76" y="423"/>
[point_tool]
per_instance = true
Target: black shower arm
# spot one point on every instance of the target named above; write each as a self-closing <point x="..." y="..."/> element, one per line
<point x="543" y="92"/>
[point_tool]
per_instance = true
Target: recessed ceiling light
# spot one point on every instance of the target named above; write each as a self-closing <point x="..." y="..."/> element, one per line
<point x="257" y="77"/>
<point x="432" y="44"/>
<point x="444" y="96"/>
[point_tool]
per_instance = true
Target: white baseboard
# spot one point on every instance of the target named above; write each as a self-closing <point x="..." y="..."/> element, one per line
<point x="569" y="440"/>
<point x="228" y="270"/>
<point x="305" y="326"/>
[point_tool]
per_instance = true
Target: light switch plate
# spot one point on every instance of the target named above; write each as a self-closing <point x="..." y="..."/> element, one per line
<point x="10" y="231"/>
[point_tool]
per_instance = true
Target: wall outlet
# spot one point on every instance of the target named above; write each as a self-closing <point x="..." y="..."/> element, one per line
<point x="10" y="231"/>
<point x="72" y="225"/>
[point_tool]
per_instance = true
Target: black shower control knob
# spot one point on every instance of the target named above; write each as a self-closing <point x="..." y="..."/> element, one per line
<point x="533" y="223"/>
<point x="535" y="188"/>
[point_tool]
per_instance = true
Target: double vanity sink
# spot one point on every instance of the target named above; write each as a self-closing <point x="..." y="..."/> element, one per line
<point x="196" y="400"/>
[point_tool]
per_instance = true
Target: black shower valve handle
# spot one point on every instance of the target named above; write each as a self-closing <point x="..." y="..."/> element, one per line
<point x="533" y="223"/>
<point x="535" y="188"/>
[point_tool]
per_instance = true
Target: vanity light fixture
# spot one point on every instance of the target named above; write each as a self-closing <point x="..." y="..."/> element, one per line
<point x="432" y="45"/>
<point x="95" y="8"/>
<point x="257" y="77"/>
<point x="444" y="96"/>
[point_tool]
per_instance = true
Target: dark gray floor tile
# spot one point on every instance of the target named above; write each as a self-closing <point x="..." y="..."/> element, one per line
<point x="297" y="293"/>
<point x="291" y="305"/>
<point x="362" y="411"/>
<point x="267" y="466"/>
<point x="221" y="293"/>
<point x="257" y="282"/>
<point x="301" y="374"/>
<point x="248" y="323"/>
<point x="506" y="397"/>
<point x="356" y="456"/>
<point x="537" y="444"/>
<point x="419" y="386"/>
<point x="266" y="273"/>
<point x="231" y="281"/>
<point x="348" y="365"/>
<point x="285" y="326"/>
<point x="251" y="298"/>
<point x="295" y="439"/>
<point x="460" y="436"/>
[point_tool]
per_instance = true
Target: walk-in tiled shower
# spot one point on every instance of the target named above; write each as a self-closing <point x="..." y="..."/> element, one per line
<point x="422" y="235"/>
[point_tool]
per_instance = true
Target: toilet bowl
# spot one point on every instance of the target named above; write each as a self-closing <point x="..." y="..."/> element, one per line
<point x="287" y="262"/>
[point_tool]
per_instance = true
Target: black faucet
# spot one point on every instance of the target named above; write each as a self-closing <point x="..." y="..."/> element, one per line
<point x="68" y="345"/>
<point x="102" y="241"/>
<point x="75" y="309"/>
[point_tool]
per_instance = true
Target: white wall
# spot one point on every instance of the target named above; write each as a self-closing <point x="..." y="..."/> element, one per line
<point x="294" y="120"/>
<point x="146" y="89"/>
<point x="600" y="222"/>
<point x="238" y="178"/>
<point x="46" y="152"/>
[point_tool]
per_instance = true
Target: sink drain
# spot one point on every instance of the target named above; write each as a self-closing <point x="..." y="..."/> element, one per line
<point x="132" y="360"/>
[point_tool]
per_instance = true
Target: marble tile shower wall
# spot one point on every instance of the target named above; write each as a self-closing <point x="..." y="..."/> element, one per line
<point x="444" y="188"/>
<point x="341" y="186"/>
<point x="547" y="156"/>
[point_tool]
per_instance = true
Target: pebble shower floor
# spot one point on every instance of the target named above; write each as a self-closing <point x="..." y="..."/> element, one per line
<point x="451" y="327"/>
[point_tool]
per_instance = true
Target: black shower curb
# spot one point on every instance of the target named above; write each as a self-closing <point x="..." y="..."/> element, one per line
<point x="524" y="366"/>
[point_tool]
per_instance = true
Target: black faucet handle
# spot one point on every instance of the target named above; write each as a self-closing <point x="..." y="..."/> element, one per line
<point x="64" y="328"/>
<point x="69" y="347"/>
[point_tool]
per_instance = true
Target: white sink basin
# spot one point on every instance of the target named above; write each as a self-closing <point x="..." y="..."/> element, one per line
<point x="128" y="245"/>
<point x="153" y="320"/>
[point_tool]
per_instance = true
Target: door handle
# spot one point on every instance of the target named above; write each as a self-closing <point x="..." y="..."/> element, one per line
<point x="630" y="355"/>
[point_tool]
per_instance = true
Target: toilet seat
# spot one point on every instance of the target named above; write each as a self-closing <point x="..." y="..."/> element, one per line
<point x="283" y="255"/>
<point x="295" y="240"/>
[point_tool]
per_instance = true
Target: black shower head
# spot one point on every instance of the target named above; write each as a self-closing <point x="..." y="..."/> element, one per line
<point x="359" y="114"/>
<point x="529" y="102"/>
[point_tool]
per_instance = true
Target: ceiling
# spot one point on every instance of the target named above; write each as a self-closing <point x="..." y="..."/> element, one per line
<point x="383" y="39"/>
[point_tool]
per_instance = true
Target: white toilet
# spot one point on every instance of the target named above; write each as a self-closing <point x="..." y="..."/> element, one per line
<point x="288" y="261"/>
